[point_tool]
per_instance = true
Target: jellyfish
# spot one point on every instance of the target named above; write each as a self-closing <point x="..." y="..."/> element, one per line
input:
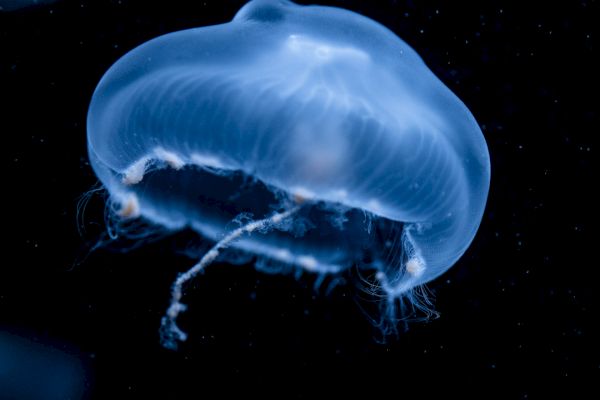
<point x="310" y="138"/>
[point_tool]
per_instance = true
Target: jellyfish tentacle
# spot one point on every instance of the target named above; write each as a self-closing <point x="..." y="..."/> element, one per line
<point x="170" y="332"/>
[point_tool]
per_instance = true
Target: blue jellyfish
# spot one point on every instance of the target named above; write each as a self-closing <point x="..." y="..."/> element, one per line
<point x="318" y="132"/>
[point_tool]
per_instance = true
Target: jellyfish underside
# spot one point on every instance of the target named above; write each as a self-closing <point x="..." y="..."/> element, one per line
<point x="335" y="235"/>
<point x="309" y="137"/>
<point x="289" y="230"/>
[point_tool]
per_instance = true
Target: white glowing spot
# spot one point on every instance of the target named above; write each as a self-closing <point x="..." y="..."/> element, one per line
<point x="323" y="50"/>
<point x="415" y="267"/>
<point x="319" y="157"/>
<point x="172" y="159"/>
<point x="283" y="254"/>
<point x="206" y="161"/>
<point x="374" y="205"/>
<point x="130" y="208"/>
<point x="135" y="172"/>
<point x="309" y="263"/>
<point x="277" y="218"/>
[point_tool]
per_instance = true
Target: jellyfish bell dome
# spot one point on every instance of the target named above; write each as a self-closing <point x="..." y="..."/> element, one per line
<point x="290" y="104"/>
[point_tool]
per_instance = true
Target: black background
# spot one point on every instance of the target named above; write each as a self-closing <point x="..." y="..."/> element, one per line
<point x="518" y="311"/>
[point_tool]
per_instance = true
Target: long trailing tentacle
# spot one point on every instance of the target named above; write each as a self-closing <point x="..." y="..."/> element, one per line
<point x="171" y="334"/>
